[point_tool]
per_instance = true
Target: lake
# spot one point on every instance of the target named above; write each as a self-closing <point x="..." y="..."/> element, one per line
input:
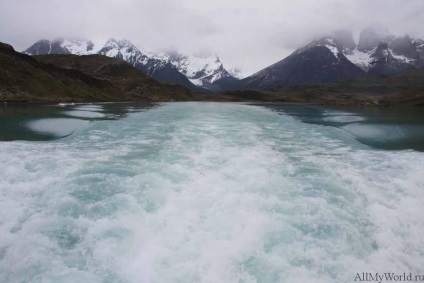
<point x="209" y="192"/>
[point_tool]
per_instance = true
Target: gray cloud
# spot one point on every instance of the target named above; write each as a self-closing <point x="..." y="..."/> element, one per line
<point x="248" y="34"/>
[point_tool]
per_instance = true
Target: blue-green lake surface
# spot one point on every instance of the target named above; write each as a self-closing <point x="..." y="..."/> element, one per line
<point x="209" y="192"/>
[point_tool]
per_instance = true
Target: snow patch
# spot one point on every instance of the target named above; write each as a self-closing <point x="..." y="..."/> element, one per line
<point x="331" y="45"/>
<point x="403" y="58"/>
<point x="197" y="82"/>
<point x="359" y="58"/>
<point x="154" y="54"/>
<point x="79" y="47"/>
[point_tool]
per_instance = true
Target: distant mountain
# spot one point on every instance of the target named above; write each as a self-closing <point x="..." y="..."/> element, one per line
<point x="338" y="57"/>
<point x="380" y="53"/>
<point x="325" y="60"/>
<point x="44" y="46"/>
<point x="61" y="46"/>
<point x="75" y="78"/>
<point x="203" y="71"/>
<point x="156" y="68"/>
<point x="371" y="37"/>
<point x="321" y="61"/>
<point x="193" y="72"/>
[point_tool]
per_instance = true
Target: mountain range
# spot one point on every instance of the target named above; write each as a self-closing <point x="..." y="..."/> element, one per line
<point x="193" y="72"/>
<point x="338" y="57"/>
<point x="94" y="78"/>
<point x="328" y="59"/>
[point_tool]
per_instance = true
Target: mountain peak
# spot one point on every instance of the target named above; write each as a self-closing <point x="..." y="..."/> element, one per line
<point x="125" y="43"/>
<point x="111" y="42"/>
<point x="216" y="57"/>
<point x="44" y="46"/>
<point x="404" y="46"/>
<point x="326" y="41"/>
<point x="58" y="40"/>
<point x="344" y="38"/>
<point x="76" y="46"/>
<point x="203" y="69"/>
<point x="371" y="37"/>
<point x="43" y="41"/>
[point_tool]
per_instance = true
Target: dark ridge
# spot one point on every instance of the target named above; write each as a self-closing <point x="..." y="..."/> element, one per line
<point x="78" y="79"/>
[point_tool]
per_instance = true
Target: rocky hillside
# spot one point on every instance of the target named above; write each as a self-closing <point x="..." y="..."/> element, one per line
<point x="78" y="78"/>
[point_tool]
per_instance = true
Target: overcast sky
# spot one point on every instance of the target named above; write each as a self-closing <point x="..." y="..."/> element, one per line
<point x="248" y="34"/>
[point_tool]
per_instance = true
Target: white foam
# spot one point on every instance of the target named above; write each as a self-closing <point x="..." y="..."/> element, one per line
<point x="207" y="193"/>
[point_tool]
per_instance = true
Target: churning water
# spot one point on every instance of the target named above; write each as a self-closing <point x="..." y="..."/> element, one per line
<point x="208" y="192"/>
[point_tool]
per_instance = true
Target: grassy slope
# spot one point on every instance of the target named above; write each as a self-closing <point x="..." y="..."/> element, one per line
<point x="94" y="78"/>
<point x="122" y="75"/>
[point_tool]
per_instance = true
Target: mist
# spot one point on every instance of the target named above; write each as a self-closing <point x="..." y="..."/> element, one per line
<point x="247" y="35"/>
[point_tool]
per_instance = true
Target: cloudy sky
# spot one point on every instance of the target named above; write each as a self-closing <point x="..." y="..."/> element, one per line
<point x="247" y="34"/>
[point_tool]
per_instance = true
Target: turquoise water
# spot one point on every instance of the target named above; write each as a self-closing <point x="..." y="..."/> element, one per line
<point x="207" y="192"/>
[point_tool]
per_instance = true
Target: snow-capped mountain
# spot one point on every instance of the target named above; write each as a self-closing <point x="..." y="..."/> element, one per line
<point x="338" y="57"/>
<point x="62" y="46"/>
<point x="203" y="71"/>
<point x="321" y="61"/>
<point x="155" y="65"/>
<point x="79" y="47"/>
<point x="124" y="50"/>
<point x="44" y="46"/>
<point x="331" y="58"/>
<point x="380" y="53"/>
<point x="188" y="70"/>
<point x="376" y="52"/>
